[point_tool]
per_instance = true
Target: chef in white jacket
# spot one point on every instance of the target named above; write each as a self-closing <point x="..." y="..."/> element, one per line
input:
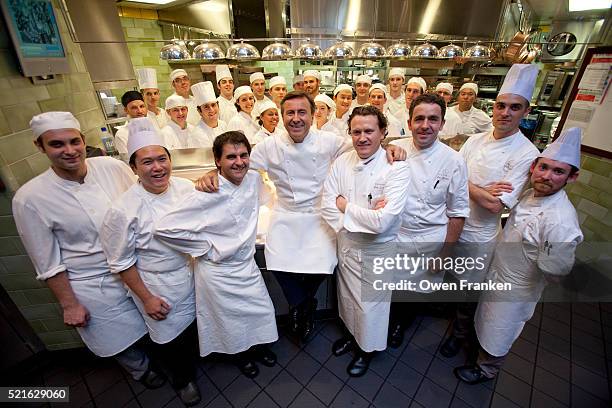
<point x="378" y="99"/>
<point x="537" y="246"/>
<point x="134" y="107"/>
<point x="268" y="119"/>
<point x="58" y="215"/>
<point x="473" y="120"/>
<point x="312" y="82"/>
<point x="343" y="98"/>
<point x="178" y="133"/>
<point x="357" y="181"/>
<point x="278" y="90"/>
<point x="436" y="209"/>
<point x="498" y="167"/>
<point x="208" y="108"/>
<point x="451" y="119"/>
<point x="235" y="314"/>
<point x="159" y="279"/>
<point x="362" y="88"/>
<point x="147" y="83"/>
<point x="395" y="91"/>
<point x="414" y="87"/>
<point x="225" y="83"/>
<point x="181" y="84"/>
<point x="325" y="110"/>
<point x="245" y="105"/>
<point x="258" y="86"/>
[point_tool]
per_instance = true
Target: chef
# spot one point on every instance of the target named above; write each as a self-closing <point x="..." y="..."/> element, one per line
<point x="225" y="83"/>
<point x="178" y="133"/>
<point x="245" y="104"/>
<point x="473" y="120"/>
<point x="343" y="98"/>
<point x="159" y="279"/>
<point x="278" y="89"/>
<point x="498" y="167"/>
<point x="437" y="205"/>
<point x="235" y="314"/>
<point x="298" y="82"/>
<point x="414" y="87"/>
<point x="58" y="215"/>
<point x="147" y="83"/>
<point x="378" y="99"/>
<point x="451" y="119"/>
<point x="537" y="246"/>
<point x="134" y="107"/>
<point x="312" y="82"/>
<point x="181" y="84"/>
<point x="356" y="181"/>
<point x="395" y="92"/>
<point x="258" y="85"/>
<point x="362" y="88"/>
<point x="325" y="109"/>
<point x="268" y="119"/>
<point x="208" y="108"/>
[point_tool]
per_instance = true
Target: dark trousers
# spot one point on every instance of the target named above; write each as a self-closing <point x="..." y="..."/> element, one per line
<point x="299" y="287"/>
<point x="489" y="364"/>
<point x="178" y="356"/>
<point x="463" y="326"/>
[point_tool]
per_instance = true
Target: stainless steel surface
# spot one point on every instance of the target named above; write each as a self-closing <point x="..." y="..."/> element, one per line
<point x="339" y="50"/>
<point x="208" y="51"/>
<point x="399" y="50"/>
<point x="192" y="159"/>
<point x="425" y="50"/>
<point x="583" y="31"/>
<point x="478" y="52"/>
<point x="371" y="50"/>
<point x="277" y="51"/>
<point x="242" y="51"/>
<point x="450" y="51"/>
<point x="554" y="88"/>
<point x="174" y="51"/>
<point x="309" y="51"/>
<point x="213" y="15"/>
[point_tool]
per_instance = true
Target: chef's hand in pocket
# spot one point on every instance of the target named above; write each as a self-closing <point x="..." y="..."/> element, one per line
<point x="209" y="182"/>
<point x="76" y="315"/>
<point x="156" y="307"/>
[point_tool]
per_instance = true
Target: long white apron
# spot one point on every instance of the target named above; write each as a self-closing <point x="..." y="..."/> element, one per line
<point x="421" y="245"/>
<point x="234" y="309"/>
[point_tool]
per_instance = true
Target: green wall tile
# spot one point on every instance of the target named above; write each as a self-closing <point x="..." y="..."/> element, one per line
<point x="19" y="246"/>
<point x="8" y="64"/>
<point x="57" y="337"/>
<point x="5" y="204"/>
<point x="38" y="162"/>
<point x="17" y="146"/>
<point x="54" y="324"/>
<point x="593" y="209"/>
<point x="4" y="83"/>
<point x="80" y="82"/>
<point x="53" y="104"/>
<point x="65" y="346"/>
<point x="18" y="298"/>
<point x="18" y="264"/>
<point x="597" y="166"/>
<point x="600" y="182"/>
<point x="5" y="129"/>
<point x="60" y="89"/>
<point x="7" y="247"/>
<point x="7" y="226"/>
<point x="22" y="171"/>
<point x="20" y="282"/>
<point x="46" y="311"/>
<point x="133" y="32"/>
<point x="82" y="101"/>
<point x="38" y="326"/>
<point x="19" y="116"/>
<point x="39" y="296"/>
<point x="600" y="229"/>
<point x="126" y="22"/>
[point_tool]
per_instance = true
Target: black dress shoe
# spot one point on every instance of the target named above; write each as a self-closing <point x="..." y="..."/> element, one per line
<point x="190" y="394"/>
<point x="471" y="374"/>
<point x="294" y="319"/>
<point x="264" y="355"/>
<point x="342" y="346"/>
<point x="396" y="335"/>
<point x="359" y="365"/>
<point x="451" y="347"/>
<point x="152" y="379"/>
<point x="247" y="366"/>
<point x="308" y="321"/>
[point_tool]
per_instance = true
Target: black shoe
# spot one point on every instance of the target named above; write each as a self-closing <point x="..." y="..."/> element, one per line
<point x="189" y="394"/>
<point x="396" y="335"/>
<point x="360" y="363"/>
<point x="308" y="322"/>
<point x="152" y="379"/>
<point x="294" y="319"/>
<point x="451" y="347"/>
<point x="247" y="367"/>
<point x="342" y="346"/>
<point x="264" y="355"/>
<point x="471" y="374"/>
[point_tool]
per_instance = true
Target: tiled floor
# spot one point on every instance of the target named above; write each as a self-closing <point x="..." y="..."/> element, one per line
<point x="563" y="358"/>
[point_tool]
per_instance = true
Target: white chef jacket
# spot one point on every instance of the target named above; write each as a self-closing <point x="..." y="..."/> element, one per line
<point x="403" y="120"/>
<point x="298" y="171"/>
<point x="452" y="125"/>
<point x="58" y="221"/>
<point x="127" y="239"/>
<point x="258" y="102"/>
<point x="540" y="237"/>
<point x="160" y="120"/>
<point x="234" y="310"/>
<point x="121" y="138"/>
<point x="212" y="133"/>
<point x="360" y="230"/>
<point x="263" y="133"/>
<point x="355" y="104"/>
<point x="473" y="121"/>
<point x="193" y="117"/>
<point x="394" y="125"/>
<point x="396" y="105"/>
<point x="227" y="109"/>
<point x="188" y="138"/>
<point x="244" y="123"/>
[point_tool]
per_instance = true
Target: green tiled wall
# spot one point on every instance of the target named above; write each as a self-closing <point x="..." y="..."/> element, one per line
<point x="283" y="68"/>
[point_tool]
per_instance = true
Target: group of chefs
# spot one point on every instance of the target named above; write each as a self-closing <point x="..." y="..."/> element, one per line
<point x="147" y="267"/>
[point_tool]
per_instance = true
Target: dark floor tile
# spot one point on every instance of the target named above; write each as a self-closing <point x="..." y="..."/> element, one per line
<point x="156" y="398"/>
<point x="219" y="402"/>
<point x="525" y="349"/>
<point x="426" y="340"/>
<point x="434" y="324"/>
<point x="405" y="379"/>
<point x="588" y="360"/>
<point x="283" y="389"/>
<point x="367" y="386"/>
<point x="208" y="390"/>
<point x="117" y="395"/>
<point x="331" y="330"/>
<point x="100" y="380"/>
<point x="553" y="363"/>
<point x="303" y="367"/>
<point x="267" y="374"/>
<point x="382" y="363"/>
<point x="530" y="333"/>
<point x="430" y="394"/>
<point x="391" y="397"/>
<point x="474" y="395"/>
<point x="555" y="327"/>
<point x="552" y="310"/>
<point x="62" y="376"/>
<point x="222" y="374"/>
<point x="592" y="383"/>
<point x="519" y="367"/>
<point x="263" y="400"/>
<point x="241" y="392"/>
<point x="325" y="385"/>
<point x="347" y="397"/>
<point x="514" y="389"/>
<point x="588" y="342"/>
<point x="416" y="358"/>
<point x="415" y="404"/>
<point x="582" y="398"/>
<point x="319" y="348"/>
<point x="554" y="386"/>
<point x="306" y="400"/>
<point x="587" y="325"/>
<point x="285" y="350"/>
<point x="539" y="399"/>
<point x="458" y="403"/>
<point x="555" y="344"/>
<point x="606" y="317"/>
<point x="587" y="310"/>
<point x="337" y="365"/>
<point x="135" y="404"/>
<point x="79" y="395"/>
<point x="442" y="374"/>
<point x="499" y="401"/>
<point x="536" y="319"/>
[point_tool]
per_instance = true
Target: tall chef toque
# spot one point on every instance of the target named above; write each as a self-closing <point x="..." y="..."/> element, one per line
<point x="52" y="121"/>
<point x="222" y="72"/>
<point x="147" y="78"/>
<point x="203" y="92"/>
<point x="520" y="80"/>
<point x="565" y="148"/>
<point x="142" y="133"/>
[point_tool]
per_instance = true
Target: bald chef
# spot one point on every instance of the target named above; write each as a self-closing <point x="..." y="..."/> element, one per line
<point x="178" y="133"/>
<point x="147" y="82"/>
<point x="225" y="83"/>
<point x="537" y="246"/>
<point x="473" y="120"/>
<point x="58" y="215"/>
<point x="498" y="167"/>
<point x="159" y="279"/>
<point x="181" y="83"/>
<point x="208" y="108"/>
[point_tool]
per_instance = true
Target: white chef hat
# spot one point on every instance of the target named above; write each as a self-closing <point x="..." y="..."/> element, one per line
<point x="520" y="80"/>
<point x="364" y="78"/>
<point x="446" y="86"/>
<point x="147" y="78"/>
<point x="177" y="73"/>
<point x="277" y="80"/>
<point x="222" y="72"/>
<point x="343" y="87"/>
<point x="142" y="133"/>
<point x="242" y="90"/>
<point x="469" y="85"/>
<point x="419" y="81"/>
<point x="298" y="78"/>
<point x="326" y="100"/>
<point x="174" y="101"/>
<point x="380" y="87"/>
<point x="203" y="92"/>
<point x="566" y="148"/>
<point x="256" y="76"/>
<point x="397" y="72"/>
<point x="264" y="106"/>
<point x="52" y="121"/>
<point x="312" y="73"/>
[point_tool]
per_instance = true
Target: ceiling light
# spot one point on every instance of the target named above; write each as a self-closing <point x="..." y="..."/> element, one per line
<point x="582" y="5"/>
